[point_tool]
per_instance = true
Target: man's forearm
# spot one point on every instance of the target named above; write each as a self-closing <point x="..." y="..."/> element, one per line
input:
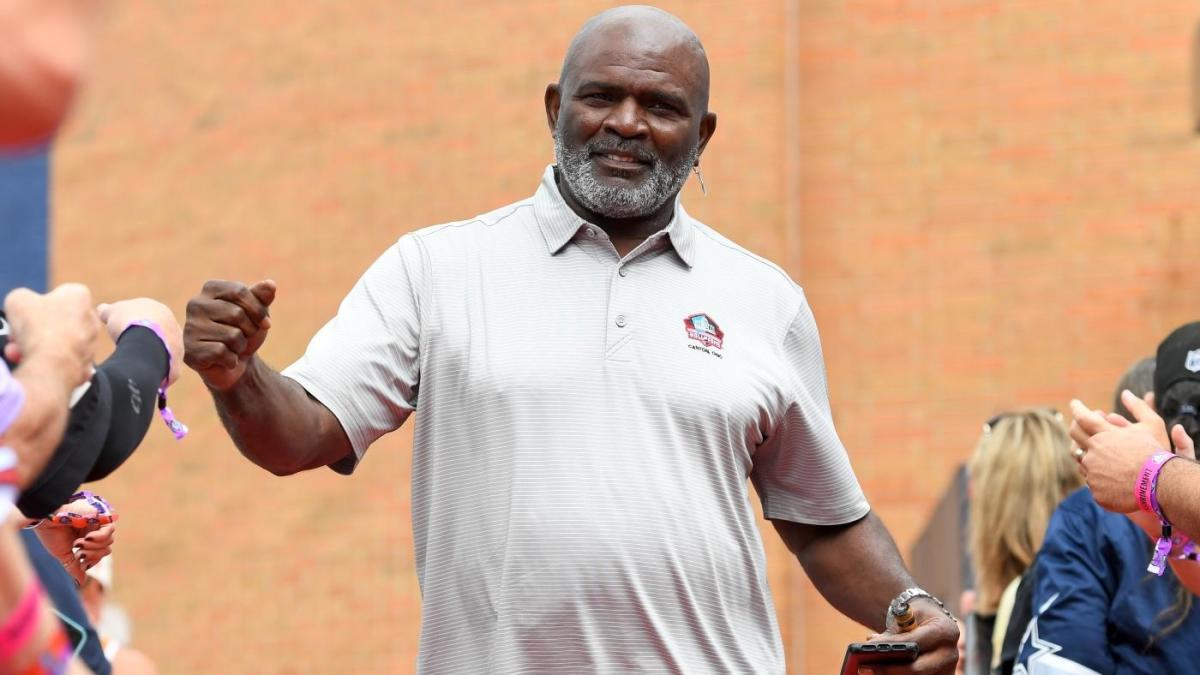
<point x="1179" y="495"/>
<point x="37" y="430"/>
<point x="277" y="425"/>
<point x="856" y="567"/>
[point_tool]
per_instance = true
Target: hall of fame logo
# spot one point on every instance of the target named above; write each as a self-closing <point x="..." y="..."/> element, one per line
<point x="701" y="328"/>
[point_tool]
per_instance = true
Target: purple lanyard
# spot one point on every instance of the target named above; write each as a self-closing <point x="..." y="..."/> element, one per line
<point x="178" y="428"/>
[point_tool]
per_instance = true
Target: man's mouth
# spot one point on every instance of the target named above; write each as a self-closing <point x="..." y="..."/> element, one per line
<point x="621" y="160"/>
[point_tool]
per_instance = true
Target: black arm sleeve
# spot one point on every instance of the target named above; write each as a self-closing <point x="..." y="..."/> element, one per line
<point x="134" y="372"/>
<point x="105" y="425"/>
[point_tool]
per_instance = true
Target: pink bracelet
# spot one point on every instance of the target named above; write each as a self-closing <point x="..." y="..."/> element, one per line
<point x="1145" y="493"/>
<point x="178" y="428"/>
<point x="21" y="624"/>
<point x="12" y="398"/>
<point x="1147" y="481"/>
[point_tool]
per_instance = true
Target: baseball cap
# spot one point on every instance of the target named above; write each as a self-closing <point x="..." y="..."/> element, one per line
<point x="1178" y="359"/>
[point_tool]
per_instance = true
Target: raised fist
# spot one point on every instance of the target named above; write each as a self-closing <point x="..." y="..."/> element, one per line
<point x="225" y="326"/>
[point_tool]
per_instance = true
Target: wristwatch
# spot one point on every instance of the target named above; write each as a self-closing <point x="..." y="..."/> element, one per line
<point x="900" y="604"/>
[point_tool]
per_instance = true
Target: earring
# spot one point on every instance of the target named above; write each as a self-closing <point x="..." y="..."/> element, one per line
<point x="700" y="177"/>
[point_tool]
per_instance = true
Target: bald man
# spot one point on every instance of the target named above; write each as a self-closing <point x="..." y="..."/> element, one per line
<point x="597" y="374"/>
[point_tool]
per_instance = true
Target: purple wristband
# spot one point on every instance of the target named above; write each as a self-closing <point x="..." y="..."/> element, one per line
<point x="12" y="398"/>
<point x="1146" y="494"/>
<point x="178" y="428"/>
<point x="1147" y="482"/>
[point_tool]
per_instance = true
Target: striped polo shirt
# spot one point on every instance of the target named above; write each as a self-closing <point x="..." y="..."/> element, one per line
<point x="587" y="425"/>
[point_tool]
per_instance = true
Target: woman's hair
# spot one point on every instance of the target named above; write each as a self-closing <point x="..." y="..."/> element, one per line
<point x="1022" y="468"/>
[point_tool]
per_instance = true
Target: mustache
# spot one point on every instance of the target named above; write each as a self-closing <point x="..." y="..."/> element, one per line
<point x="602" y="145"/>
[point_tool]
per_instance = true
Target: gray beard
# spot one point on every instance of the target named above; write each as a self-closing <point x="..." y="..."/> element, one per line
<point x="663" y="183"/>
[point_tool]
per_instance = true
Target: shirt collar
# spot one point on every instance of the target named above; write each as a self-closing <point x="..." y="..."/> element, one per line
<point x="559" y="223"/>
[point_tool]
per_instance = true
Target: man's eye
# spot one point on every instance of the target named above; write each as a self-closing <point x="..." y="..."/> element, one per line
<point x="598" y="97"/>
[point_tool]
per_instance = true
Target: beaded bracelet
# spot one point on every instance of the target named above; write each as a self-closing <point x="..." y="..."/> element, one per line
<point x="178" y="428"/>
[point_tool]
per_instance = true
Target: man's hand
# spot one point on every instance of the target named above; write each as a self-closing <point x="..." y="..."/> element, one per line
<point x="1114" y="454"/>
<point x="226" y="324"/>
<point x="936" y="636"/>
<point x="57" y="329"/>
<point x="119" y="315"/>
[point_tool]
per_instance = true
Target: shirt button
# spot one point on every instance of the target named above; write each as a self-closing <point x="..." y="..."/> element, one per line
<point x="621" y="321"/>
<point x="622" y="272"/>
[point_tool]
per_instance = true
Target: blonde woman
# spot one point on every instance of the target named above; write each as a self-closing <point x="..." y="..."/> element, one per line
<point x="1022" y="468"/>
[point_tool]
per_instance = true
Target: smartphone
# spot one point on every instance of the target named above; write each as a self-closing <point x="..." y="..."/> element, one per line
<point x="869" y="653"/>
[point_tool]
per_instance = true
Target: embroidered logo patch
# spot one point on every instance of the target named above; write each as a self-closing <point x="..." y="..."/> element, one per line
<point x="703" y="329"/>
<point x="1193" y="361"/>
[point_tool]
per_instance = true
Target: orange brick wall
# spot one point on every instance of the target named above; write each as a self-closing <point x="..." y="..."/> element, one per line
<point x="989" y="204"/>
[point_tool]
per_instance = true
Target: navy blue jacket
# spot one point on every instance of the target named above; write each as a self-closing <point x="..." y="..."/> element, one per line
<point x="1096" y="608"/>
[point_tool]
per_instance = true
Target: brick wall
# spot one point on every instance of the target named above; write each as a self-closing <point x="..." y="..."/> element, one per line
<point x="989" y="204"/>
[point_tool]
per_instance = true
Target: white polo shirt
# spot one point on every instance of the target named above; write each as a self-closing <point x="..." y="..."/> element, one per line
<point x="587" y="427"/>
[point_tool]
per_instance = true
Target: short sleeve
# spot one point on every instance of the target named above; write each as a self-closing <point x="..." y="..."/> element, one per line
<point x="364" y="365"/>
<point x="801" y="470"/>
<point x="1071" y="597"/>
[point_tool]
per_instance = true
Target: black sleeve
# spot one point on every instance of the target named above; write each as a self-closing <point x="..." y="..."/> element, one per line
<point x="134" y="372"/>
<point x="105" y="425"/>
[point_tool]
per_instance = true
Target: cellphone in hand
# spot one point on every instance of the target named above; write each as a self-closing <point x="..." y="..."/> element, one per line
<point x="871" y="653"/>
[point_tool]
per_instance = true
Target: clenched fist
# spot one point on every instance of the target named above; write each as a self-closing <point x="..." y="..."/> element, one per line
<point x="225" y="326"/>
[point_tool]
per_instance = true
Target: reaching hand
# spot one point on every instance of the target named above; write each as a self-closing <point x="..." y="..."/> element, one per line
<point x="226" y="324"/>
<point x="1115" y="452"/>
<point x="58" y="328"/>
<point x="118" y="316"/>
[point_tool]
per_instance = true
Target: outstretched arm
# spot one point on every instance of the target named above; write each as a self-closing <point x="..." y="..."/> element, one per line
<point x="51" y="340"/>
<point x="272" y="419"/>
<point x="1115" y="453"/>
<point x="277" y="425"/>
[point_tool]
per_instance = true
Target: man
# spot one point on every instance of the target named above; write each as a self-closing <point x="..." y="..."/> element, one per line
<point x="52" y="335"/>
<point x="1113" y="453"/>
<point x="598" y="374"/>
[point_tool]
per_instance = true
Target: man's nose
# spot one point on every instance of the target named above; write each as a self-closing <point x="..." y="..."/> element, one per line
<point x="626" y="120"/>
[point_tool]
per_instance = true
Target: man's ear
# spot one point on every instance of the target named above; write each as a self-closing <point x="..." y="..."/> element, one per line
<point x="553" y="101"/>
<point x="708" y="127"/>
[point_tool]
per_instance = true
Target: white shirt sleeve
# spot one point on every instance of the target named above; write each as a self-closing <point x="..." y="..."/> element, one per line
<point x="364" y="365"/>
<point x="801" y="470"/>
